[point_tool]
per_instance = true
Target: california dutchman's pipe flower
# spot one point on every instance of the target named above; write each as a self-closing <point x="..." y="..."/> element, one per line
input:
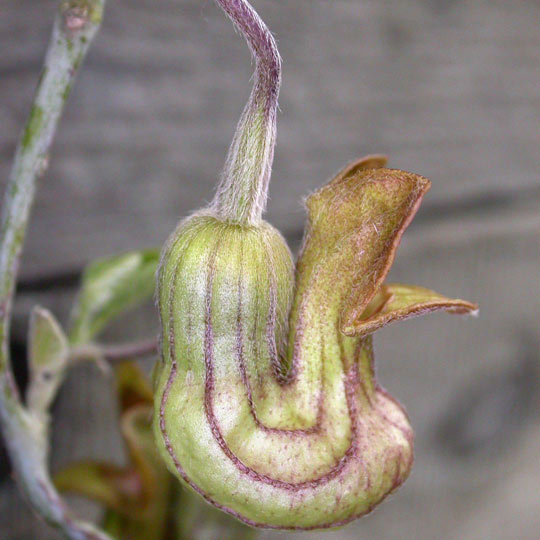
<point x="265" y="398"/>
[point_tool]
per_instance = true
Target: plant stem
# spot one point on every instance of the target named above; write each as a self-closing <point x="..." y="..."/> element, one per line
<point x="25" y="435"/>
<point x="242" y="192"/>
<point x="114" y="353"/>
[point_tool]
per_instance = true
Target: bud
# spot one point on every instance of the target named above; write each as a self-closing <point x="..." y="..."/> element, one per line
<point x="287" y="427"/>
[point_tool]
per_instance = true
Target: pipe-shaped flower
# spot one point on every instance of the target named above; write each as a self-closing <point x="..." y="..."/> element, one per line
<point x="266" y="401"/>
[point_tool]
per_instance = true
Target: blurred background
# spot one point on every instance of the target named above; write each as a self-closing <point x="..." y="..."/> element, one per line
<point x="447" y="88"/>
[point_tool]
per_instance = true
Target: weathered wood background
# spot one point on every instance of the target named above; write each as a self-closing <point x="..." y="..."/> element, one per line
<point x="448" y="88"/>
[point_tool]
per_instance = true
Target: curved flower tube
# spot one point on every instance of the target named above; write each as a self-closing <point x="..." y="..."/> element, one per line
<point x="272" y="413"/>
<point x="266" y="402"/>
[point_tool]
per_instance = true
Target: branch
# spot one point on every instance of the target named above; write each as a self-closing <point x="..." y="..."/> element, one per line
<point x="25" y="434"/>
<point x="242" y="192"/>
<point x="113" y="353"/>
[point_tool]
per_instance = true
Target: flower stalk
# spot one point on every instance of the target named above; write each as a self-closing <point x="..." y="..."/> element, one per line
<point x="242" y="193"/>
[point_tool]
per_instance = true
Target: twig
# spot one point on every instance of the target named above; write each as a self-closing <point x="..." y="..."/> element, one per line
<point x="25" y="435"/>
<point x="113" y="353"/>
<point x="130" y="350"/>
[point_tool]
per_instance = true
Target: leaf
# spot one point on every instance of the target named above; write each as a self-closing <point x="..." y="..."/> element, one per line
<point x="132" y="386"/>
<point x="48" y="357"/>
<point x="110" y="287"/>
<point x="115" y="487"/>
<point x="395" y="302"/>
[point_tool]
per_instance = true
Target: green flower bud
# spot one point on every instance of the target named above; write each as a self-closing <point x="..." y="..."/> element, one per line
<point x="286" y="427"/>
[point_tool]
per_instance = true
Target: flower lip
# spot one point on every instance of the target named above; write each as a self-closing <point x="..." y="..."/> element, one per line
<point x="396" y="302"/>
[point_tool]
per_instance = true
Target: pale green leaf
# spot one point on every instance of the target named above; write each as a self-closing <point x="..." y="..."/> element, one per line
<point x="48" y="356"/>
<point x="110" y="287"/>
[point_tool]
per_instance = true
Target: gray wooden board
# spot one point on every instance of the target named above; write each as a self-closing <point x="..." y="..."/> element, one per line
<point x="449" y="89"/>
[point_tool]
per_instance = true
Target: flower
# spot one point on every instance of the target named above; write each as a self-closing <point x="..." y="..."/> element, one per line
<point x="266" y="401"/>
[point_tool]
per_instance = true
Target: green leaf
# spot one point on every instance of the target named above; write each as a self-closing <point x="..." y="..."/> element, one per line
<point x="110" y="287"/>
<point x="113" y="486"/>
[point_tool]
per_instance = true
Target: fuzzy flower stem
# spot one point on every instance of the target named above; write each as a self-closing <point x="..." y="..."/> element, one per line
<point x="242" y="192"/>
<point x="26" y="434"/>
